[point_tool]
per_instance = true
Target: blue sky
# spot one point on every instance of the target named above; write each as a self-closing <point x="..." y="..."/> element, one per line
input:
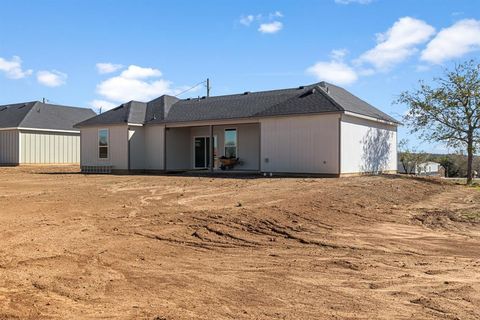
<point x="103" y="53"/>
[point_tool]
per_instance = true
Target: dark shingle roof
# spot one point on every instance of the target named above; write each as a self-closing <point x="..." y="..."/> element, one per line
<point x="354" y="104"/>
<point x="130" y="112"/>
<point x="40" y="115"/>
<point x="316" y="98"/>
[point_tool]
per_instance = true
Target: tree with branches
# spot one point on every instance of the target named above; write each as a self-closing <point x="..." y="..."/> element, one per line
<point x="410" y="158"/>
<point x="449" y="112"/>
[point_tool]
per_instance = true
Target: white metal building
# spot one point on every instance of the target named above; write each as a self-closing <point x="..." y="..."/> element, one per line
<point x="39" y="133"/>
<point x="316" y="129"/>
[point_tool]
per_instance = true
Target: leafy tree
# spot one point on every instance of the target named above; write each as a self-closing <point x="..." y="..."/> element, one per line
<point x="410" y="158"/>
<point x="450" y="111"/>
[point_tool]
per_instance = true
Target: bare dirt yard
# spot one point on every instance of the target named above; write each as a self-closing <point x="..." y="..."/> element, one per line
<point x="177" y="247"/>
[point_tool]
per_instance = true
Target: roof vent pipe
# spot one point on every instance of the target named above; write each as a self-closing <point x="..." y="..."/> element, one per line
<point x="324" y="86"/>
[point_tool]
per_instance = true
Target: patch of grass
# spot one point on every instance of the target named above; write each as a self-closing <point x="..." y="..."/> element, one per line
<point x="471" y="215"/>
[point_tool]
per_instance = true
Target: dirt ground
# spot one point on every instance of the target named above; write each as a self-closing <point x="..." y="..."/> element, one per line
<point x="176" y="247"/>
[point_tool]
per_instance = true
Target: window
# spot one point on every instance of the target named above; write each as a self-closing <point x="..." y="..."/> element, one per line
<point x="231" y="143"/>
<point x="103" y="143"/>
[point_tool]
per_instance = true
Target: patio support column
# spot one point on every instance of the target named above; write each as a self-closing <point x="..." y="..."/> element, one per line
<point x="165" y="148"/>
<point x="210" y="149"/>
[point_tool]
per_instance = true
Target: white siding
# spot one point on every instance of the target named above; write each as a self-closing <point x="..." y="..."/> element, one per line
<point x="154" y="140"/>
<point x="300" y="144"/>
<point x="9" y="153"/>
<point x="136" y="138"/>
<point x="118" y="147"/>
<point x="38" y="147"/>
<point x="367" y="146"/>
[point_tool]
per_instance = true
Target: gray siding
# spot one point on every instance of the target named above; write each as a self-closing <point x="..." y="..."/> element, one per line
<point x="38" y="147"/>
<point x="154" y="140"/>
<point x="9" y="152"/>
<point x="248" y="144"/>
<point x="136" y="142"/>
<point x="179" y="146"/>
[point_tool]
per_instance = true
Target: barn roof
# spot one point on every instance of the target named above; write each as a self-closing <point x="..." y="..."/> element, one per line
<point x="38" y="115"/>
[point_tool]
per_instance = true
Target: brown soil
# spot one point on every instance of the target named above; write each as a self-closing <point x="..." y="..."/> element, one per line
<point x="174" y="247"/>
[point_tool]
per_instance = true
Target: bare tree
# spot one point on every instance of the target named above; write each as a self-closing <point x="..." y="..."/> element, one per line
<point x="450" y="111"/>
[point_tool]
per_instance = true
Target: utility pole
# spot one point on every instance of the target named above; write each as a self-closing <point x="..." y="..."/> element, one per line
<point x="208" y="87"/>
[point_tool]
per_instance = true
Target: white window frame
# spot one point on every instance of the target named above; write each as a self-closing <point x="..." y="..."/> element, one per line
<point x="236" y="141"/>
<point x="108" y="144"/>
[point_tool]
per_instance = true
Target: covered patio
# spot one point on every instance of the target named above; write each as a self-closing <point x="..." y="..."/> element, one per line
<point x="213" y="147"/>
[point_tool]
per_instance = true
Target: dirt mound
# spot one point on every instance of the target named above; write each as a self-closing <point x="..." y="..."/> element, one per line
<point x="179" y="247"/>
<point x="447" y="219"/>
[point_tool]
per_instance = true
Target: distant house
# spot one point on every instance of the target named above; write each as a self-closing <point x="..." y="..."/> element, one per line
<point x="428" y="168"/>
<point x="39" y="133"/>
<point x="314" y="129"/>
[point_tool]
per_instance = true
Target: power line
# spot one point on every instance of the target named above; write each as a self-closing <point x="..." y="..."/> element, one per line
<point x="207" y="82"/>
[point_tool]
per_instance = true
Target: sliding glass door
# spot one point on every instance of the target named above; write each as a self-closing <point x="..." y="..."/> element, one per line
<point x="202" y="152"/>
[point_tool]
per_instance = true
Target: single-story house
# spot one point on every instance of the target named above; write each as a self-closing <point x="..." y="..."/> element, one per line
<point x="314" y="129"/>
<point x="427" y="168"/>
<point x="430" y="168"/>
<point x="40" y="133"/>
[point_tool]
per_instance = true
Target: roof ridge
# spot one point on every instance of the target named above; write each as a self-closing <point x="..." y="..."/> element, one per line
<point x="61" y="105"/>
<point x="17" y="103"/>
<point x="34" y="103"/>
<point x="329" y="97"/>
<point x="310" y="91"/>
<point x="257" y="92"/>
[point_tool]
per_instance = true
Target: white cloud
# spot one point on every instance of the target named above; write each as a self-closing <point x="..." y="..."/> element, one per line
<point x="453" y="42"/>
<point x="338" y="54"/>
<point x="266" y="23"/>
<point x="247" y="20"/>
<point x="102" y="105"/>
<point x="13" y="68"/>
<point x="136" y="83"/>
<point x="333" y="71"/>
<point x="271" y="27"/>
<point x="397" y="43"/>
<point x="106" y="67"/>
<point x="276" y="14"/>
<point x="136" y="72"/>
<point x="353" y="1"/>
<point x="52" y="78"/>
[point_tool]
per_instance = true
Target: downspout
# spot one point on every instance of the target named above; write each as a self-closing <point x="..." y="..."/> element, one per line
<point x="259" y="147"/>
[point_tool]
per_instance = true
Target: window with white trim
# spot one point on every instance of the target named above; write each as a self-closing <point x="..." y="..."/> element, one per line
<point x="230" y="143"/>
<point x="103" y="141"/>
